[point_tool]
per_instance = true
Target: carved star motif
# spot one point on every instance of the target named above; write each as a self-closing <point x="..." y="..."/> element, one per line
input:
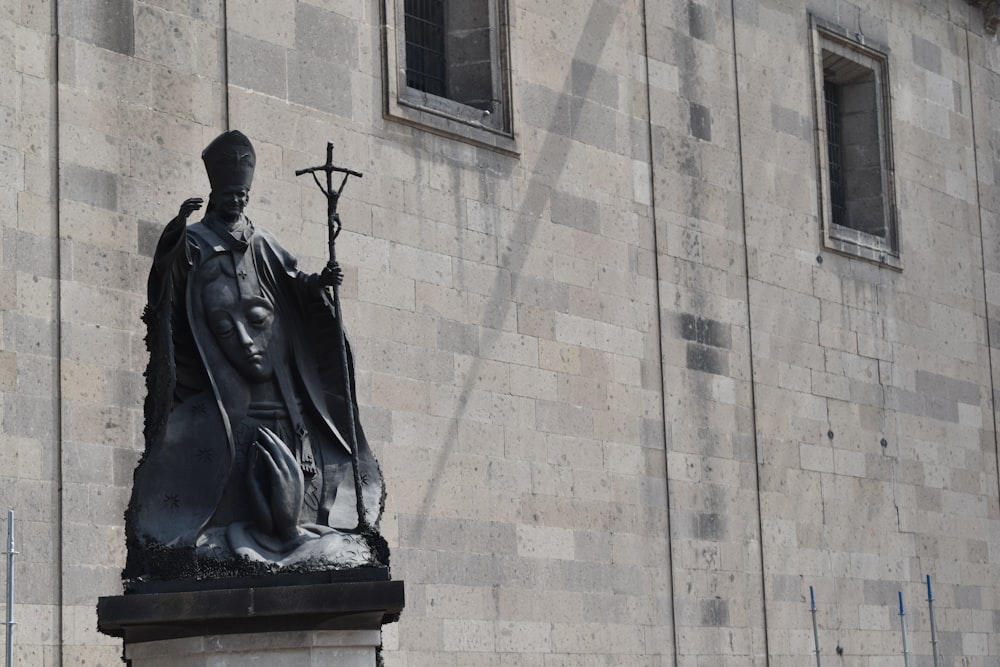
<point x="172" y="500"/>
<point x="204" y="454"/>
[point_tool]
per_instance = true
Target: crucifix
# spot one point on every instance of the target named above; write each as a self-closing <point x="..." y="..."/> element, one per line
<point x="334" y="227"/>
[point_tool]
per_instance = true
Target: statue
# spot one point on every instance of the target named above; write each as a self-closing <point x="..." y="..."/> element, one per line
<point x="254" y="452"/>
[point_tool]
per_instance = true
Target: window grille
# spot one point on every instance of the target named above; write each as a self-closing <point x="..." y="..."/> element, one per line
<point x="834" y="146"/>
<point x="425" y="52"/>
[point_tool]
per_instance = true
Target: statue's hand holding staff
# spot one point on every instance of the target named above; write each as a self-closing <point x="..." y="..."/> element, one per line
<point x="332" y="275"/>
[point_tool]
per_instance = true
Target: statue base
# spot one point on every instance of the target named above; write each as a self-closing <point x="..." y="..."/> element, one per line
<point x="332" y="623"/>
<point x="337" y="648"/>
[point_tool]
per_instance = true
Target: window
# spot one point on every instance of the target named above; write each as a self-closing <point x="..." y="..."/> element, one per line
<point x="854" y="146"/>
<point x="425" y="31"/>
<point x="446" y="68"/>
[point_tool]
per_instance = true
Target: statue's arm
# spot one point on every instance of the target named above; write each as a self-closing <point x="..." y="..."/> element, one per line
<point x="309" y="285"/>
<point x="172" y="254"/>
<point x="314" y="284"/>
<point x="176" y="371"/>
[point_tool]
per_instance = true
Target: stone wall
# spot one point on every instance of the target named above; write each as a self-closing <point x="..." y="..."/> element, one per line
<point x="140" y="92"/>
<point x="887" y="471"/>
<point x="29" y="361"/>
<point x="627" y="407"/>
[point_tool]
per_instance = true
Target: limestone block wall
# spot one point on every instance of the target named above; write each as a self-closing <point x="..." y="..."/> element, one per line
<point x="861" y="396"/>
<point x="29" y="323"/>
<point x="715" y="538"/>
<point x="876" y="435"/>
<point x="625" y="413"/>
<point x="522" y="386"/>
<point x="139" y="93"/>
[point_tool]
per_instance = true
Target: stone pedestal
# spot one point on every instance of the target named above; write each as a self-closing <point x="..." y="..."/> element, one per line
<point x="336" y="624"/>
<point x="336" y="648"/>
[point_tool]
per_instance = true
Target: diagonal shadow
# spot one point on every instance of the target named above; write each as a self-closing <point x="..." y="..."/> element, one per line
<point x="554" y="151"/>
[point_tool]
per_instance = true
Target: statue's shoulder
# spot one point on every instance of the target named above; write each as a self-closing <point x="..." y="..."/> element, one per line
<point x="199" y="230"/>
<point x="263" y="237"/>
<point x="202" y="236"/>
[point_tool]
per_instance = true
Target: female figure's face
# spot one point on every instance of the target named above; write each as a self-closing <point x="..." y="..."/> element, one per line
<point x="242" y="327"/>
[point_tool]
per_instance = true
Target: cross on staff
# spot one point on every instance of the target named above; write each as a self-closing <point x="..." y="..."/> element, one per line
<point x="332" y="196"/>
<point x="334" y="227"/>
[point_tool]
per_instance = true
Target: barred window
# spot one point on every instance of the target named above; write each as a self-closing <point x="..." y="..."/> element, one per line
<point x="855" y="148"/>
<point x="425" y="59"/>
<point x="447" y="67"/>
<point x="831" y="98"/>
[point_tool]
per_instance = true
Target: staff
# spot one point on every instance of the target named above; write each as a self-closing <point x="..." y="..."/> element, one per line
<point x="334" y="226"/>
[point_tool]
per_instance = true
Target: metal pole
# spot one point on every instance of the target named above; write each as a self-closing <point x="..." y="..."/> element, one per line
<point x="333" y="227"/>
<point x="10" y="588"/>
<point x="902" y="623"/>
<point x="930" y="607"/>
<point x="812" y="598"/>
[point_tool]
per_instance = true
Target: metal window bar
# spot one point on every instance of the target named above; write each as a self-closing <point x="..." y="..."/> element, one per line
<point x="425" y="56"/>
<point x="834" y="152"/>
<point x="10" y="588"/>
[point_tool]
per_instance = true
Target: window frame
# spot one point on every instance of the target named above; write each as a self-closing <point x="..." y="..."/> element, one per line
<point x="441" y="115"/>
<point x="883" y="250"/>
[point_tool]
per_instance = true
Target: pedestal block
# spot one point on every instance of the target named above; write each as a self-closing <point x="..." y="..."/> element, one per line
<point x="333" y="648"/>
<point x="304" y="625"/>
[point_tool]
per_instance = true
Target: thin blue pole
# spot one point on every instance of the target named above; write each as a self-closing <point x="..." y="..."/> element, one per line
<point x="10" y="588"/>
<point x="812" y="600"/>
<point x="930" y="608"/>
<point x="902" y="623"/>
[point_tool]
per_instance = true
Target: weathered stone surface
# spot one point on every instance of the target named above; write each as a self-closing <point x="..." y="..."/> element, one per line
<point x="603" y="370"/>
<point x="349" y="648"/>
<point x="105" y="24"/>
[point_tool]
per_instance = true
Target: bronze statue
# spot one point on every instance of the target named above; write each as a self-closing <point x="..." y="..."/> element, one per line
<point x="252" y="430"/>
